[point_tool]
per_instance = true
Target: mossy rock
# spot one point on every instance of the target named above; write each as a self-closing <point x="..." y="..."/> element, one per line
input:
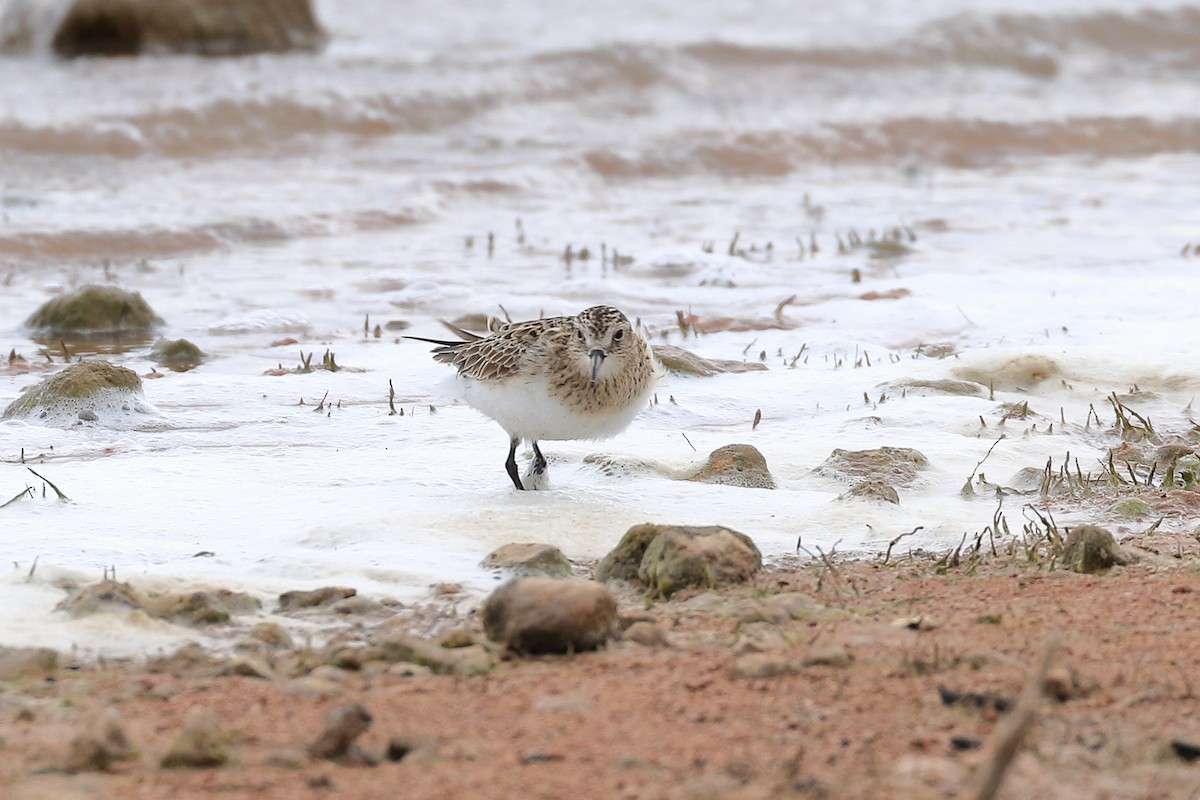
<point x="736" y="465"/>
<point x="667" y="558"/>
<point x="79" y="391"/>
<point x="93" y="311"/>
<point x="179" y="355"/>
<point x="622" y="562"/>
<point x="209" y="27"/>
<point x="704" y="557"/>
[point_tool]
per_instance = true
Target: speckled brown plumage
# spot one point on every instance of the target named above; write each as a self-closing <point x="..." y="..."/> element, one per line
<point x="580" y="377"/>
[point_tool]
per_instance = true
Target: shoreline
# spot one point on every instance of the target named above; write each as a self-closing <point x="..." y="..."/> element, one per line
<point x="846" y="677"/>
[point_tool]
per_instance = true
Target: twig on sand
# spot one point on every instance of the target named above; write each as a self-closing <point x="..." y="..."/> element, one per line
<point x="49" y="483"/>
<point x="1009" y="737"/>
<point x="896" y="541"/>
<point x="26" y="492"/>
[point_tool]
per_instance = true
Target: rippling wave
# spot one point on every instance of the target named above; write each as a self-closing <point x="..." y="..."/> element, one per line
<point x="94" y="245"/>
<point x="903" y="142"/>
<point x="783" y="97"/>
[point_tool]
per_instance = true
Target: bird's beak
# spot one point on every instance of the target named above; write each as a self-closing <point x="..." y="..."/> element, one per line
<point x="597" y="357"/>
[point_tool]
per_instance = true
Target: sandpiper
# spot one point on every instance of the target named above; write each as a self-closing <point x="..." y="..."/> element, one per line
<point x="558" y="378"/>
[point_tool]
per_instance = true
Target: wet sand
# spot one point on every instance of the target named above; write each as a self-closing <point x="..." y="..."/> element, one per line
<point x="846" y="697"/>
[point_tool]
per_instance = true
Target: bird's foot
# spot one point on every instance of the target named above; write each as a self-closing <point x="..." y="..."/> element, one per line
<point x="535" y="479"/>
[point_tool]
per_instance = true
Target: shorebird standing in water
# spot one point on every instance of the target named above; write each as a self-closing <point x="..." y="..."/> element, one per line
<point x="559" y="378"/>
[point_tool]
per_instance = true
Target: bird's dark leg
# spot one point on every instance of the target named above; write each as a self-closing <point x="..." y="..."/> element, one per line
<point x="511" y="464"/>
<point x="539" y="461"/>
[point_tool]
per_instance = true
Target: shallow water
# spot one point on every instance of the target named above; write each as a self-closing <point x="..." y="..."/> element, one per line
<point x="1043" y="155"/>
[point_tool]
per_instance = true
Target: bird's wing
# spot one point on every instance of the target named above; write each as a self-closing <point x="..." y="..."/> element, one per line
<point x="497" y="356"/>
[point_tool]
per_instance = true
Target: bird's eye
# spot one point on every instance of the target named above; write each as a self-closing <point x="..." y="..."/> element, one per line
<point x="618" y="335"/>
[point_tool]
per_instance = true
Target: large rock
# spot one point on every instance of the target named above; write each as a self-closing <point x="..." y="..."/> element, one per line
<point x="701" y="557"/>
<point x="94" y="311"/>
<point x="129" y="27"/>
<point x="528" y="558"/>
<point x="623" y="561"/>
<point x="736" y="465"/>
<point x="544" y="615"/>
<point x="667" y="558"/>
<point x="898" y="466"/>
<point x="684" y="362"/>
<point x="87" y="391"/>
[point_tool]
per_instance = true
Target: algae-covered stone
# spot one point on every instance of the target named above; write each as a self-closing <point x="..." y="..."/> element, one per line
<point x="179" y="355"/>
<point x="132" y="27"/>
<point x="87" y="391"/>
<point x="94" y="310"/>
<point x="668" y="557"/>
<point x="681" y="556"/>
<point x="736" y="465"/>
<point x="528" y="558"/>
<point x="623" y="561"/>
<point x="1092" y="549"/>
<point x="683" y="362"/>
<point x="898" y="466"/>
<point x="544" y="615"/>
